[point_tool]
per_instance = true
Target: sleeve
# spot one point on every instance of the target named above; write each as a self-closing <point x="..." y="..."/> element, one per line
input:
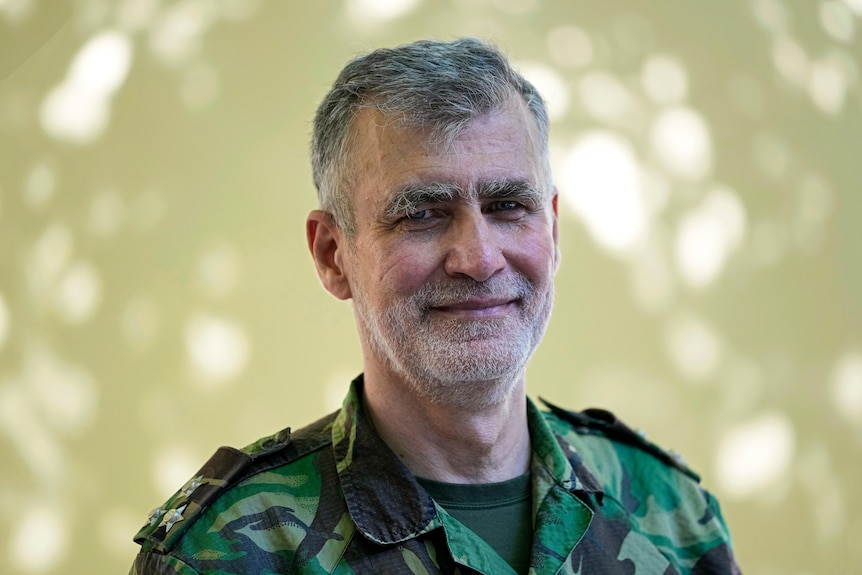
<point x="147" y="563"/>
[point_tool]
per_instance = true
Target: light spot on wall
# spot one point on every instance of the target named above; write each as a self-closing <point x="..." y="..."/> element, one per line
<point x="837" y="20"/>
<point x="681" y="140"/>
<point x="176" y="36"/>
<point x="570" y="46"/>
<point x="78" y="293"/>
<point x="78" y="109"/>
<point x="855" y="6"/>
<point x="220" y="270"/>
<point x="600" y="182"/>
<point x="550" y="84"/>
<point x="37" y="447"/>
<point x="173" y="466"/>
<point x="378" y="11"/>
<point x="108" y="213"/>
<point x="218" y="349"/>
<point x="16" y="11"/>
<point x="828" y="85"/>
<point x="136" y="15"/>
<point x="791" y="61"/>
<point x="49" y="257"/>
<point x="65" y="395"/>
<point x="664" y="79"/>
<point x="139" y="323"/>
<point x="40" y="186"/>
<point x="656" y="190"/>
<point x="693" y="346"/>
<point x="772" y="15"/>
<point x="846" y="387"/>
<point x="755" y="455"/>
<point x="707" y="235"/>
<point x="39" y="540"/>
<point x="603" y="96"/>
<point x="651" y="279"/>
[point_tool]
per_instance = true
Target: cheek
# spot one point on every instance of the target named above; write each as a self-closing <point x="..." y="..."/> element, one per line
<point x="402" y="270"/>
<point x="534" y="256"/>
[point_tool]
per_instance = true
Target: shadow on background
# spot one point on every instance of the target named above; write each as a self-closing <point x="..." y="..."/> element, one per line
<point x="156" y="298"/>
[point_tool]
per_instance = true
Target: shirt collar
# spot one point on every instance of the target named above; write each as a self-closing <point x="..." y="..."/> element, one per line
<point x="384" y="499"/>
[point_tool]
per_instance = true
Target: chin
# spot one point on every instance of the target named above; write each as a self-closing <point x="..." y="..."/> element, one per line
<point x="468" y="381"/>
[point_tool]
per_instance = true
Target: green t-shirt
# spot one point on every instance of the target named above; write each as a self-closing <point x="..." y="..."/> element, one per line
<point x="499" y="513"/>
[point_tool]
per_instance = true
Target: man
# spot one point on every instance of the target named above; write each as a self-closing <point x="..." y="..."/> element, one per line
<point x="439" y="220"/>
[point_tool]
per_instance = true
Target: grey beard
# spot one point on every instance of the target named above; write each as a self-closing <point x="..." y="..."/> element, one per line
<point x="433" y="355"/>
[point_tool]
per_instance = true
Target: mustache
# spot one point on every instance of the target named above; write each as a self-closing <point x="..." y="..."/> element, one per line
<point x="511" y="286"/>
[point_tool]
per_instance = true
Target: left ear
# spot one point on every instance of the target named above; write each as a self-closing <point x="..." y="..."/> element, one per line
<point x="555" y="231"/>
<point x="327" y="245"/>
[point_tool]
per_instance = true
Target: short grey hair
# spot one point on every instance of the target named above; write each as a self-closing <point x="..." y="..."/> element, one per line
<point x="441" y="86"/>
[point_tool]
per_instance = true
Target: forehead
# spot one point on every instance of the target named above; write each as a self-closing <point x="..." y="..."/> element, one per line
<point x="387" y="156"/>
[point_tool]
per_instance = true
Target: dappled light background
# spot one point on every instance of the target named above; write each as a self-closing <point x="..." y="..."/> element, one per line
<point x="157" y="300"/>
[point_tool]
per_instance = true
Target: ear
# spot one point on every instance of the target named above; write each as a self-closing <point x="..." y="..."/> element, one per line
<point x="557" y="256"/>
<point x="327" y="245"/>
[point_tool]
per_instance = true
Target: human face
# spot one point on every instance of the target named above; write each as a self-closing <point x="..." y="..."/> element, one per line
<point x="451" y="268"/>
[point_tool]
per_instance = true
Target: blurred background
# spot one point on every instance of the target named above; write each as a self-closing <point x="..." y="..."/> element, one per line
<point x="157" y="299"/>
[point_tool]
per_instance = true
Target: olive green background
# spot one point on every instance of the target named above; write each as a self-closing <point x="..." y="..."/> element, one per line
<point x="157" y="299"/>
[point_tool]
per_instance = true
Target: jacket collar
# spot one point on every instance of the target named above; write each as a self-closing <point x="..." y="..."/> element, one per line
<point x="384" y="499"/>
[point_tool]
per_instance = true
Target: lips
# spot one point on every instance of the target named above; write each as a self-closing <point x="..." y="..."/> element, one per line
<point x="476" y="308"/>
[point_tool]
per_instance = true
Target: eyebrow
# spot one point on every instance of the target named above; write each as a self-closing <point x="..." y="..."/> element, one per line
<point x="409" y="197"/>
<point x="520" y="189"/>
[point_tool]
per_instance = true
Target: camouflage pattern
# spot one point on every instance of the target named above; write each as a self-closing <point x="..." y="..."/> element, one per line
<point x="332" y="498"/>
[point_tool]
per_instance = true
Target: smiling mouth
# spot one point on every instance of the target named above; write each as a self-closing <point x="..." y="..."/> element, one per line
<point x="476" y="309"/>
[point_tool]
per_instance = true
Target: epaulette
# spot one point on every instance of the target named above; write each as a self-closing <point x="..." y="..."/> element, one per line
<point x="599" y="421"/>
<point x="227" y="467"/>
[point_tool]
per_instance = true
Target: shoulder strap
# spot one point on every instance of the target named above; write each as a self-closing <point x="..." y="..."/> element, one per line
<point x="225" y="468"/>
<point x="607" y="424"/>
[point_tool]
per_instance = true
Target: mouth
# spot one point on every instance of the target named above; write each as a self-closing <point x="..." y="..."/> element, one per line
<point x="481" y="308"/>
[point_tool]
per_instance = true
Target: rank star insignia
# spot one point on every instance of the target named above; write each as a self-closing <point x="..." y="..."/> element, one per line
<point x="172" y="518"/>
<point x="192" y="485"/>
<point x="154" y="515"/>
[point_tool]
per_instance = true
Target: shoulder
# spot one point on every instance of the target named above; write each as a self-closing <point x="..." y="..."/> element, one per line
<point x="221" y="479"/>
<point x="649" y="489"/>
<point x="597" y="430"/>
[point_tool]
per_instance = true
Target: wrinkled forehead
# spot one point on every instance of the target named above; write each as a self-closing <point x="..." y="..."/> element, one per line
<point x="374" y="131"/>
<point x="497" y="151"/>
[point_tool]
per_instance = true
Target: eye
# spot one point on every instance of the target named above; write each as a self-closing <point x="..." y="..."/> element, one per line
<point x="505" y="205"/>
<point x="417" y="215"/>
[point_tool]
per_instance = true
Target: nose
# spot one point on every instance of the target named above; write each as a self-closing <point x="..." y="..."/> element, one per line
<point x="473" y="249"/>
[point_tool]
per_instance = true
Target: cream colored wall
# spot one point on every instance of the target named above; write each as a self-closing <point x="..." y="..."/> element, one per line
<point x="156" y="298"/>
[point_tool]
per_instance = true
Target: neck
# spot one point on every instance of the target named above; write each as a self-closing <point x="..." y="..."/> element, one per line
<point x="450" y="443"/>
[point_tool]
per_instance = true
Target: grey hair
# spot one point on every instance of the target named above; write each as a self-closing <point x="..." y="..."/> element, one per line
<point x="441" y="86"/>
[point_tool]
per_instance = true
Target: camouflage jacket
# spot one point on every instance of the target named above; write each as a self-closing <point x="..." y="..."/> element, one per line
<point x="332" y="498"/>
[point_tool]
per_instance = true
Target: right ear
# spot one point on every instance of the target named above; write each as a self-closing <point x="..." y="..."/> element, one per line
<point x="327" y="243"/>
